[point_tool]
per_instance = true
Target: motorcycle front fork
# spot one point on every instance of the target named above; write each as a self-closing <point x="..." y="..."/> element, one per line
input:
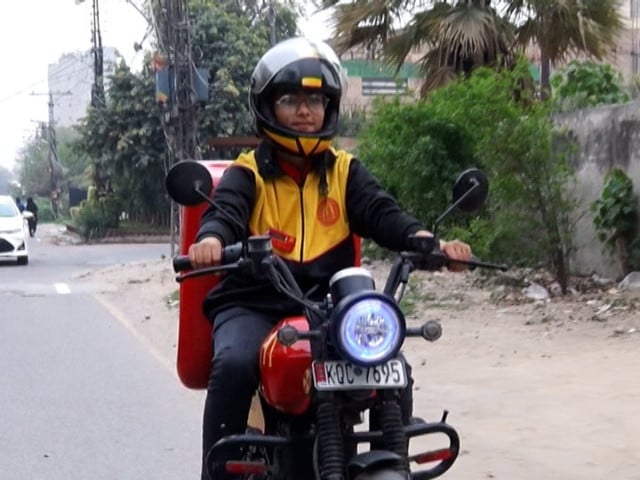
<point x="386" y="416"/>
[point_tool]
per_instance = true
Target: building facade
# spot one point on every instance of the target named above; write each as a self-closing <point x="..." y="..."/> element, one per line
<point x="70" y="80"/>
<point x="625" y="56"/>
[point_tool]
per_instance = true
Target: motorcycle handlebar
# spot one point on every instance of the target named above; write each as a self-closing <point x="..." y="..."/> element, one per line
<point x="437" y="260"/>
<point x="425" y="254"/>
<point x="230" y="254"/>
<point x="181" y="263"/>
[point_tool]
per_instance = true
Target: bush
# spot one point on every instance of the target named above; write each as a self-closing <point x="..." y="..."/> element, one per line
<point x="95" y="217"/>
<point x="45" y="212"/>
<point x="352" y="122"/>
<point x="586" y="84"/>
<point x="481" y="233"/>
<point x="415" y="156"/>
<point x="492" y="122"/>
<point x="615" y="219"/>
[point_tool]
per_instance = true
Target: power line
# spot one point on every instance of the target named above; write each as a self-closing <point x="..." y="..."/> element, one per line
<point x="56" y="76"/>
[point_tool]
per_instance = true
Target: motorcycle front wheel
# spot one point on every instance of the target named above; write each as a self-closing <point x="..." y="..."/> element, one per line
<point x="381" y="475"/>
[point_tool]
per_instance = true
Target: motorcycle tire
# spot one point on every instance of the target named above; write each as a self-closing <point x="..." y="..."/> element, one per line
<point x="381" y="475"/>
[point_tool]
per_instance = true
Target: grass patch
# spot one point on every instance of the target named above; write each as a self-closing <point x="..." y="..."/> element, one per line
<point x="411" y="299"/>
<point x="172" y="300"/>
<point x="63" y="220"/>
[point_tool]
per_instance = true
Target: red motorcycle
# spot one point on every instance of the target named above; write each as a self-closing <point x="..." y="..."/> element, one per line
<point x="322" y="371"/>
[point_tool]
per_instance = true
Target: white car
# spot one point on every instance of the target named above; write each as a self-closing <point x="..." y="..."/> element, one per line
<point x="13" y="231"/>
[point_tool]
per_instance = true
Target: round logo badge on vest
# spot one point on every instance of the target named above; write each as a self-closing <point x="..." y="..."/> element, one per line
<point x="328" y="211"/>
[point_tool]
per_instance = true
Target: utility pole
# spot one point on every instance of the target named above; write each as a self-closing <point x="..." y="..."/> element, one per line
<point x="181" y="119"/>
<point x="55" y="168"/>
<point x="97" y="89"/>
<point x="54" y="164"/>
<point x="183" y="105"/>
<point x="635" y="48"/>
<point x="272" y="23"/>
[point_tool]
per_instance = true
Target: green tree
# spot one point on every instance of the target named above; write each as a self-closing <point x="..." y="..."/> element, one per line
<point x="230" y="48"/>
<point x="261" y="12"/>
<point x="415" y="155"/>
<point x="5" y="178"/>
<point x="76" y="164"/>
<point x="563" y="28"/>
<point x="459" y="35"/>
<point x="531" y="209"/>
<point x="33" y="166"/>
<point x="126" y="142"/>
<point x="584" y="84"/>
<point x="227" y="39"/>
<point x="532" y="204"/>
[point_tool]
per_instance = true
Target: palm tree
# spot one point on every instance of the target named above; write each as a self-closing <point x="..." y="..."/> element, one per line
<point x="457" y="36"/>
<point x="565" y="28"/>
<point x="460" y="35"/>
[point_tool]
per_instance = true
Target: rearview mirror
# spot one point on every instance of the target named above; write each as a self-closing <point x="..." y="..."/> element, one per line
<point x="189" y="183"/>
<point x="470" y="190"/>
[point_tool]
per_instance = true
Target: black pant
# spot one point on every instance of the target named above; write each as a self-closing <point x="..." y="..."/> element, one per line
<point x="237" y="336"/>
<point x="33" y="224"/>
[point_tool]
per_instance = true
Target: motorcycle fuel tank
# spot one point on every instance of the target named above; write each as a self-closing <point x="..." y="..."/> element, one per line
<point x="286" y="371"/>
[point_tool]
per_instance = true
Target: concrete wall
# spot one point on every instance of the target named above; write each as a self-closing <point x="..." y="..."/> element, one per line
<point x="608" y="136"/>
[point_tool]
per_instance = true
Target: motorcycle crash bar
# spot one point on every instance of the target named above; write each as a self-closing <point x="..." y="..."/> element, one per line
<point x="238" y="467"/>
<point x="432" y="456"/>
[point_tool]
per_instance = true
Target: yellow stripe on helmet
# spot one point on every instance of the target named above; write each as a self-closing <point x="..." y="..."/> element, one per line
<point x="311" y="82"/>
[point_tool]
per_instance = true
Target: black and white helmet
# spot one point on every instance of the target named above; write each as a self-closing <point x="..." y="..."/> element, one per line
<point x="294" y="65"/>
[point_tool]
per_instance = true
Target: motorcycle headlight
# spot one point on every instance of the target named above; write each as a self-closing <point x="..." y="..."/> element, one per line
<point x="368" y="328"/>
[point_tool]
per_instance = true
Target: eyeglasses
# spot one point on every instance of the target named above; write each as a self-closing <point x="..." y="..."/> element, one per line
<point x="316" y="102"/>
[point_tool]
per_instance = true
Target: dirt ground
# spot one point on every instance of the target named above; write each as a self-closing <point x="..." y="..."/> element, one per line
<point x="546" y="389"/>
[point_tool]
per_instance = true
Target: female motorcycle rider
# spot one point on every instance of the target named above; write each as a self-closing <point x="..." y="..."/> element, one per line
<point x="312" y="199"/>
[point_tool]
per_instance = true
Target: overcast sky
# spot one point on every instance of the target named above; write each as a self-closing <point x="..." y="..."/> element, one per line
<point x="36" y="33"/>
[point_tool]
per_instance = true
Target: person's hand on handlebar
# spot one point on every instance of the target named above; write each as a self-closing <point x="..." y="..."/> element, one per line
<point x="454" y="250"/>
<point x="206" y="253"/>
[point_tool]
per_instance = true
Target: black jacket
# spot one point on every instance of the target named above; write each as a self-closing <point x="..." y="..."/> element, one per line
<point x="312" y="224"/>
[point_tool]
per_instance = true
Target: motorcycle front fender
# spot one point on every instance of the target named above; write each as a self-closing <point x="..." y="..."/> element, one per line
<point x="374" y="459"/>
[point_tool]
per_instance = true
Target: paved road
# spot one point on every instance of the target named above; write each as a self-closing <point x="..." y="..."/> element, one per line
<point x="79" y="396"/>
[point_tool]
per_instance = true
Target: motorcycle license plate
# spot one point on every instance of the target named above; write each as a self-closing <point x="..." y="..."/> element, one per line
<point x="342" y="375"/>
